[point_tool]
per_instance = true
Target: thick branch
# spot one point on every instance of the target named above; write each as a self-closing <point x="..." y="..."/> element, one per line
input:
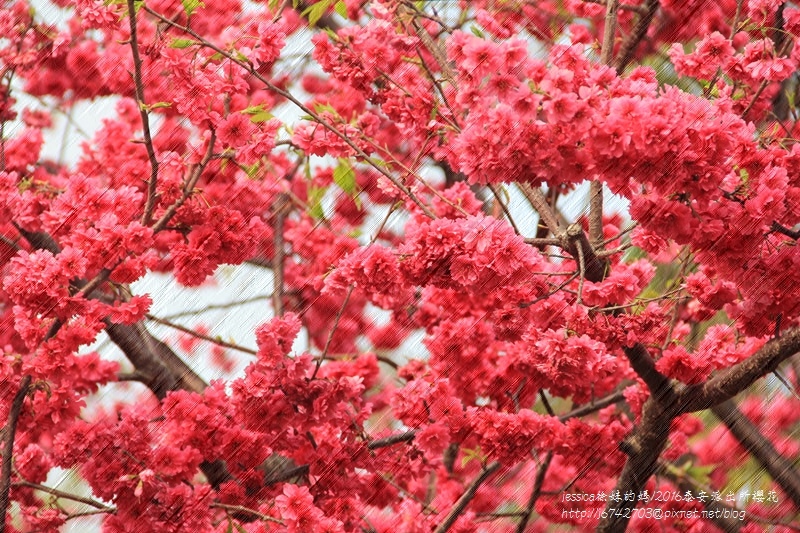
<point x="465" y="498"/>
<point x="546" y="214"/>
<point x="9" y="433"/>
<point x="737" y="378"/>
<point x="636" y="36"/>
<point x="408" y="436"/>
<point x="596" y="214"/>
<point x="644" y="366"/>
<point x="607" y="53"/>
<point x="38" y="239"/>
<point x="782" y="470"/>
<point x="536" y="491"/>
<point x="573" y="239"/>
<point x="162" y="371"/>
<point x="578" y="245"/>
<point x="779" y="228"/>
<point x="643" y="447"/>
<point x="665" y="403"/>
<point x="165" y="371"/>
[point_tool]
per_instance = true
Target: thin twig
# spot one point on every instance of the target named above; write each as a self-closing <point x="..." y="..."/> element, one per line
<point x="66" y="495"/>
<point x="194" y="333"/>
<point x="188" y="186"/>
<point x="280" y="208"/>
<point x="140" y="102"/>
<point x="549" y="294"/>
<point x="335" y="325"/>
<point x="250" y="69"/>
<point x="504" y="207"/>
<point x="593" y="407"/>
<point x="246" y="510"/>
<point x="765" y="83"/>
<point x="212" y="307"/>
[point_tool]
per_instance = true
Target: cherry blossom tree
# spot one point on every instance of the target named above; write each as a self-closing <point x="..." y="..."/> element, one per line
<point x="401" y="171"/>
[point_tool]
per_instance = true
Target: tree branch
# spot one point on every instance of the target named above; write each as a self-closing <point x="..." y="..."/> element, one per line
<point x="779" y="468"/>
<point x="593" y="407"/>
<point x="536" y="491"/>
<point x="607" y="51"/>
<point x="572" y="239"/>
<point x="737" y="378"/>
<point x="280" y="208"/>
<point x="465" y="498"/>
<point x="188" y="186"/>
<point x="408" y="436"/>
<point x="596" y="214"/>
<point x="66" y="495"/>
<point x="644" y="366"/>
<point x="193" y="333"/>
<point x="636" y="36"/>
<point x="138" y="87"/>
<point x="9" y="433"/>
<point x="643" y="447"/>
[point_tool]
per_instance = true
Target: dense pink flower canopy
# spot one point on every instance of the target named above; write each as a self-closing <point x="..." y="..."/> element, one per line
<point x="450" y="344"/>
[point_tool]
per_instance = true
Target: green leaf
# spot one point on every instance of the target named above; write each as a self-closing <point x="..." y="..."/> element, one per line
<point x="252" y="110"/>
<point x="632" y="254"/>
<point x="190" y="6"/>
<point x="314" y="12"/>
<point x="229" y="529"/>
<point x="374" y="161"/>
<point x="321" y="107"/>
<point x="341" y="8"/>
<point x="182" y="43"/>
<point x="344" y="177"/>
<point x="470" y="455"/>
<point x="251" y="170"/>
<point x="239" y="528"/>
<point x="477" y="32"/>
<point x="315" y="196"/>
<point x="156" y="105"/>
<point x="264" y="116"/>
<point x="332" y="34"/>
<point x="744" y="175"/>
